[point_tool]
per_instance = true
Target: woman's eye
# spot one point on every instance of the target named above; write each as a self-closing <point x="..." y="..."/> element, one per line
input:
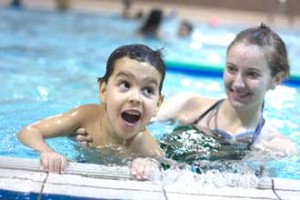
<point x="253" y="75"/>
<point x="231" y="69"/>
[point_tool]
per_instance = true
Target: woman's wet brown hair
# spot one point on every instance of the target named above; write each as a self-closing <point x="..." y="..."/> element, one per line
<point x="272" y="45"/>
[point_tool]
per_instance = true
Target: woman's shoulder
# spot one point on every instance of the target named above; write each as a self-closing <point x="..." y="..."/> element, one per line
<point x="193" y="108"/>
<point x="190" y="98"/>
<point x="201" y="100"/>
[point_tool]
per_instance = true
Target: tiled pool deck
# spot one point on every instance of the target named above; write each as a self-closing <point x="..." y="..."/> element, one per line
<point x="22" y="178"/>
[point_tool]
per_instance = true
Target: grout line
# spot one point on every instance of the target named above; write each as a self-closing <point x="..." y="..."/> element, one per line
<point x="164" y="192"/>
<point x="43" y="186"/>
<point x="105" y="187"/>
<point x="274" y="190"/>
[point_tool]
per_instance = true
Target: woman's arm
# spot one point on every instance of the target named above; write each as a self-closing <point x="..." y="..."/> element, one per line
<point x="184" y="108"/>
<point x="271" y="140"/>
<point x="174" y="107"/>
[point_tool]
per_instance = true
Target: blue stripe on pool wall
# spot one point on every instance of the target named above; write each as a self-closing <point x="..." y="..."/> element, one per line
<point x="8" y="194"/>
<point x="212" y="70"/>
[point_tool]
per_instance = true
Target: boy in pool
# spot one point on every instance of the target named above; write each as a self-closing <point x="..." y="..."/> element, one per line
<point x="130" y="95"/>
<point x="256" y="62"/>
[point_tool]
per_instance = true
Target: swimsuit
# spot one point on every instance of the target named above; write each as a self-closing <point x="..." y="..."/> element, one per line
<point x="188" y="145"/>
<point x="247" y="137"/>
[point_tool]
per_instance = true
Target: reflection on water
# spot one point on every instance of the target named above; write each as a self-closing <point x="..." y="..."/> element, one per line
<point x="109" y="155"/>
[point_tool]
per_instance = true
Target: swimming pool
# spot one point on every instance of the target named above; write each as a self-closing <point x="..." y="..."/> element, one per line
<point x="50" y="62"/>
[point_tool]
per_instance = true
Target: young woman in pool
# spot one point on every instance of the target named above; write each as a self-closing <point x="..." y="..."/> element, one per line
<point x="256" y="62"/>
<point x="130" y="94"/>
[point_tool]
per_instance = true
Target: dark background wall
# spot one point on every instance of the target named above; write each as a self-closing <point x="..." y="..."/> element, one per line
<point x="289" y="7"/>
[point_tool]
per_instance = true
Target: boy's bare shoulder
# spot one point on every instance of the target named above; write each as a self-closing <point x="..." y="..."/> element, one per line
<point x="88" y="110"/>
<point x="89" y="106"/>
<point x="144" y="144"/>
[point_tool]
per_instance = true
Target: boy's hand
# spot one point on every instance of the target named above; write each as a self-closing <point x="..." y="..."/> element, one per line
<point x="145" y="168"/>
<point x="82" y="137"/>
<point x="53" y="162"/>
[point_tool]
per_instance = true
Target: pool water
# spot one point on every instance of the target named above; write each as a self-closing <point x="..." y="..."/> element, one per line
<point x="50" y="62"/>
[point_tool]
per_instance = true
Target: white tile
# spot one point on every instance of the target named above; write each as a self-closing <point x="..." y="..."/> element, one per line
<point x="99" y="171"/>
<point x="20" y="185"/>
<point x="20" y="163"/>
<point x="265" y="183"/>
<point x="85" y="180"/>
<point x="287" y="184"/>
<point x="77" y="180"/>
<point x="21" y="180"/>
<point x="101" y="192"/>
<point x="176" y="196"/>
<point x="242" y="192"/>
<point x="289" y="195"/>
<point x="23" y="174"/>
<point x="234" y="192"/>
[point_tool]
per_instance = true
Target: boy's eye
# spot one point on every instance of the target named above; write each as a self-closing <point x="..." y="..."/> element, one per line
<point x="148" y="91"/>
<point x="124" y="85"/>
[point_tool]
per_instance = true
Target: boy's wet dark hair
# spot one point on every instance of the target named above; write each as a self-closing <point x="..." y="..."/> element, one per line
<point x="272" y="44"/>
<point x="139" y="52"/>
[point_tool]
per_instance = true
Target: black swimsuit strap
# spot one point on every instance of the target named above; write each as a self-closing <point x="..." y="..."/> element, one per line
<point x="208" y="110"/>
<point x="258" y="129"/>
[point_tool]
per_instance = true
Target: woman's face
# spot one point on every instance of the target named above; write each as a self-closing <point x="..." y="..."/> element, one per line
<point x="247" y="76"/>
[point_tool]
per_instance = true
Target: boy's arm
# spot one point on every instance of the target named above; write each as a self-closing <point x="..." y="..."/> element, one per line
<point x="58" y="125"/>
<point x="145" y="145"/>
<point x="146" y="167"/>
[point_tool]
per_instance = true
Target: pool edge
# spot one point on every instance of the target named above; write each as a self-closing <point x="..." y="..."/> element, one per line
<point x="83" y="181"/>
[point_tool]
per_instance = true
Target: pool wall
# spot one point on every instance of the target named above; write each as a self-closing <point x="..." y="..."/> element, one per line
<point x="214" y="70"/>
<point x="22" y="179"/>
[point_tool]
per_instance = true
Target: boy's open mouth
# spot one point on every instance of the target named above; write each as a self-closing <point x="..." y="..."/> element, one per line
<point x="131" y="116"/>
